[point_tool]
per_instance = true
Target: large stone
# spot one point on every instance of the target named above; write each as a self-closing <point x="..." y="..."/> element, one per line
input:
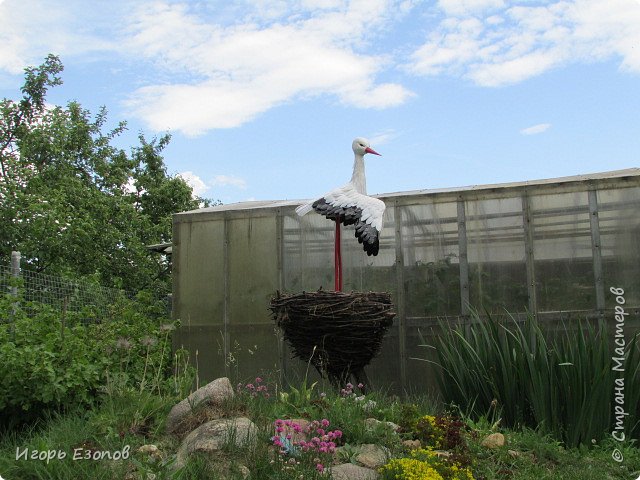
<point x="411" y="444"/>
<point x="372" y="456"/>
<point x="373" y="423"/>
<point x="495" y="440"/>
<point x="151" y="450"/>
<point x="212" y="436"/>
<point x="214" y="393"/>
<point x="297" y="437"/>
<point x="349" y="471"/>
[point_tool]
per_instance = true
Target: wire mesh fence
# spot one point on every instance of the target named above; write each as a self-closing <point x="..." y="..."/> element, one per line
<point x="72" y="295"/>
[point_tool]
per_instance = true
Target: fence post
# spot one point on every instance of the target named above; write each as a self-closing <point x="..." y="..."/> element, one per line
<point x="15" y="270"/>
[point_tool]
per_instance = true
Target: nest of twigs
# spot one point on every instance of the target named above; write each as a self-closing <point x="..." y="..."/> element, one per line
<point x="339" y="333"/>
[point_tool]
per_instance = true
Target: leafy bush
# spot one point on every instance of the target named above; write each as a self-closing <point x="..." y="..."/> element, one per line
<point x="51" y="359"/>
<point x="440" y="431"/>
<point x="425" y="464"/>
<point x="563" y="385"/>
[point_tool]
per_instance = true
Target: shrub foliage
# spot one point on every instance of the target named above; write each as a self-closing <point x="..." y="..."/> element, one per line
<point x="50" y="359"/>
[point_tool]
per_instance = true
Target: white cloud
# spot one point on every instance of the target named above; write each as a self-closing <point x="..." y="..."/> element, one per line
<point x="130" y="186"/>
<point x="466" y="7"/>
<point x="235" y="72"/>
<point x="195" y="182"/>
<point x="383" y="137"/>
<point x="493" y="43"/>
<point x="535" y="129"/>
<point x="33" y="28"/>
<point x="229" y="181"/>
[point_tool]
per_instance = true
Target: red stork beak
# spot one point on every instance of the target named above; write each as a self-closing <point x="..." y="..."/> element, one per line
<point x="371" y="150"/>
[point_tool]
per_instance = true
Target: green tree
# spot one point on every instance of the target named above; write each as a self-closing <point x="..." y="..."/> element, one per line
<point x="75" y="204"/>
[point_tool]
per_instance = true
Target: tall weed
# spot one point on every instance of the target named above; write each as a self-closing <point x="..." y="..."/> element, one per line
<point x="562" y="385"/>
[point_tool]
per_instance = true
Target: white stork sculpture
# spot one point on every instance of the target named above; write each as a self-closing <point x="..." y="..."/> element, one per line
<point x="351" y="205"/>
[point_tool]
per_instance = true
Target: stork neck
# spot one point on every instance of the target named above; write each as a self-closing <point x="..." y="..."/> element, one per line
<point x="358" y="179"/>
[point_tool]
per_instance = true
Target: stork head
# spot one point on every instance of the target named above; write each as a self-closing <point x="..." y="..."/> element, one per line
<point x="361" y="146"/>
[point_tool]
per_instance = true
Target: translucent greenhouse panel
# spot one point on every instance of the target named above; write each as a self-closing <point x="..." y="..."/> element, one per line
<point x="496" y="255"/>
<point x="364" y="273"/>
<point x="422" y="375"/>
<point x="204" y="344"/>
<point x="253" y="268"/>
<point x="384" y="370"/>
<point x="253" y="351"/>
<point x="198" y="274"/>
<point x="308" y="252"/>
<point x="431" y="262"/>
<point x="619" y="224"/>
<point x="562" y="251"/>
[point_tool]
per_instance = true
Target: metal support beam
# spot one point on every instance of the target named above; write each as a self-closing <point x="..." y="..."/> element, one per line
<point x="596" y="252"/>
<point x="527" y="223"/>
<point x="463" y="258"/>
<point x="400" y="288"/>
<point x="226" y="309"/>
<point x="282" y="347"/>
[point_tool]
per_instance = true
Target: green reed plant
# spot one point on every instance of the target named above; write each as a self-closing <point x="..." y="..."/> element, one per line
<point x="563" y="385"/>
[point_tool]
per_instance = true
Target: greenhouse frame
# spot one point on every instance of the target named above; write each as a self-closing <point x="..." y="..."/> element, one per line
<point x="549" y="248"/>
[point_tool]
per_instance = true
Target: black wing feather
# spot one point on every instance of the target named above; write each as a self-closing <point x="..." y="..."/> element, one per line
<point x="366" y="234"/>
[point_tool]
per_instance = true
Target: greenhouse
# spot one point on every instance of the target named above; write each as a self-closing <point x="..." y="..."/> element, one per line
<point x="551" y="248"/>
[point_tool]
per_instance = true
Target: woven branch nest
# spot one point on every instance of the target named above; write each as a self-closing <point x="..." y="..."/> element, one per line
<point x="340" y="333"/>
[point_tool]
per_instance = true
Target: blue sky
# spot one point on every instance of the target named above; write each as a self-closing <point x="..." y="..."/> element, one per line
<point x="263" y="98"/>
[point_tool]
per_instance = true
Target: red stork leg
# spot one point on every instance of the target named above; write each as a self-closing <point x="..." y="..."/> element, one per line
<point x="337" y="258"/>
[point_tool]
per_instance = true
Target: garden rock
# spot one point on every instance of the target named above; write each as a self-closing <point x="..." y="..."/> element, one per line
<point x="349" y="471"/>
<point x="411" y="444"/>
<point x="151" y="450"/>
<point x="495" y="440"/>
<point x="213" y="435"/>
<point x="442" y="453"/>
<point x="299" y="436"/>
<point x="215" y="393"/>
<point x="372" y="456"/>
<point x="372" y="423"/>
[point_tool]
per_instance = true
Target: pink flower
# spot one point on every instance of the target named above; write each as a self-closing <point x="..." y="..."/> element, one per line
<point x="360" y="385"/>
<point x="320" y="467"/>
<point x="325" y="422"/>
<point x="258" y="380"/>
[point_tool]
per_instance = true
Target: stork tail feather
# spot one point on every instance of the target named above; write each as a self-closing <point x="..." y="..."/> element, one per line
<point x="304" y="209"/>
